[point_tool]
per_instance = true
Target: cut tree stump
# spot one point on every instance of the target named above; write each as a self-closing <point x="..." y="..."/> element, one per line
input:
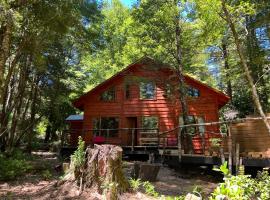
<point x="102" y="170"/>
<point x="146" y="171"/>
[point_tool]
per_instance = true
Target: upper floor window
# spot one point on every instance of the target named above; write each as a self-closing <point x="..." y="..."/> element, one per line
<point x="193" y="92"/>
<point x="127" y="91"/>
<point x="108" y="95"/>
<point x="168" y="90"/>
<point x="147" y="90"/>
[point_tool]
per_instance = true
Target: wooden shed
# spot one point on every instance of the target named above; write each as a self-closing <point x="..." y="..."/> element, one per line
<point x="252" y="137"/>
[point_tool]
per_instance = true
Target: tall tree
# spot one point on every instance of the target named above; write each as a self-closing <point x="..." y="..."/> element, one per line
<point x="244" y="63"/>
<point x="29" y="32"/>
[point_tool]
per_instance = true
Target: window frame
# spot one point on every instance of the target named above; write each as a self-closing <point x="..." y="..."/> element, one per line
<point x="98" y="132"/>
<point x="168" y="91"/>
<point x="193" y="92"/>
<point x="196" y="120"/>
<point x="154" y="89"/>
<point x="127" y="92"/>
<point x="150" y="116"/>
<point x="111" y="89"/>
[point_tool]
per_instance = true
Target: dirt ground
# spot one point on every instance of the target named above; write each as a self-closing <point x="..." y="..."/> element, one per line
<point x="38" y="186"/>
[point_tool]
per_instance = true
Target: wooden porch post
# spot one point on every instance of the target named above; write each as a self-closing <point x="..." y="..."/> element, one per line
<point x="132" y="136"/>
<point x="179" y="145"/>
<point x="230" y="149"/>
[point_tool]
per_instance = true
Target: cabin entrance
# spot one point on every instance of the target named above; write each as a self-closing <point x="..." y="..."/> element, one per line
<point x="132" y="132"/>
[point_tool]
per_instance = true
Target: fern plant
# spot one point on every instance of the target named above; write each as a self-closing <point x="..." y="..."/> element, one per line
<point x="78" y="157"/>
<point x="150" y="189"/>
<point x="135" y="184"/>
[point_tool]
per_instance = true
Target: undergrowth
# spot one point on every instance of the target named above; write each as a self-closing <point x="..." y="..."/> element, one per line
<point x="242" y="187"/>
<point x="78" y="157"/>
<point x="149" y="189"/>
<point x="14" y="165"/>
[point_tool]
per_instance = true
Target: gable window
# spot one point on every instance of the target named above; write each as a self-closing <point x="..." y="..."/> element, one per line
<point x="193" y="92"/>
<point x="168" y="91"/>
<point x="147" y="90"/>
<point x="127" y="91"/>
<point x="108" y="95"/>
<point x="106" y="126"/>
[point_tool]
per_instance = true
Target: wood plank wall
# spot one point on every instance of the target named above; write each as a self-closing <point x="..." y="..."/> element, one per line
<point x="253" y="137"/>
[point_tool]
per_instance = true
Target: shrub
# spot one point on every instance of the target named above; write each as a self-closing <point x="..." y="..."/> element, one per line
<point x="46" y="174"/>
<point x="78" y="157"/>
<point x="243" y="187"/>
<point x="263" y="185"/>
<point x="14" y="165"/>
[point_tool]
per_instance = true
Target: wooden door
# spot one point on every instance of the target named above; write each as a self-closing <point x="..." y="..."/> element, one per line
<point x="131" y="123"/>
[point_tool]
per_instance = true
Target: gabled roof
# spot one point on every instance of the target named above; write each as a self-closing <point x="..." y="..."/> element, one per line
<point x="78" y="103"/>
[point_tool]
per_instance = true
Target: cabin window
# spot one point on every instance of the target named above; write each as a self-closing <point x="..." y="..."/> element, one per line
<point x="150" y="123"/>
<point x="147" y="90"/>
<point x="108" y="95"/>
<point x="127" y="91"/>
<point x="193" y="92"/>
<point x="191" y="120"/>
<point x="200" y="120"/>
<point x="106" y="126"/>
<point x="168" y="90"/>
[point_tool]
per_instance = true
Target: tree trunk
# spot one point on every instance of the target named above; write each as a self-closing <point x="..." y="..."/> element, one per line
<point x="5" y="47"/>
<point x="182" y="86"/>
<point x="226" y="67"/>
<point x="244" y="64"/>
<point x="48" y="134"/>
<point x="18" y="107"/>
<point x="33" y="113"/>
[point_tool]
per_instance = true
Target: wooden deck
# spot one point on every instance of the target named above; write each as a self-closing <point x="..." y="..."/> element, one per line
<point x="165" y="145"/>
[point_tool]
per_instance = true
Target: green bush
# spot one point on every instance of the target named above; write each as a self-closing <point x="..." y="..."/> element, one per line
<point x="243" y="187"/>
<point x="14" y="165"/>
<point x="46" y="174"/>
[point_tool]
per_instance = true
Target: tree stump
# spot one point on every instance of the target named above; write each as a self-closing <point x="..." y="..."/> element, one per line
<point x="103" y="171"/>
<point x="146" y="171"/>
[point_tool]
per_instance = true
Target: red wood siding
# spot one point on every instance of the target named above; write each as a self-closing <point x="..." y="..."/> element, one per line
<point x="167" y="111"/>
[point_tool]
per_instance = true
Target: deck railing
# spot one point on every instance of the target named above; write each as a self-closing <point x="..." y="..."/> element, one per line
<point x="138" y="136"/>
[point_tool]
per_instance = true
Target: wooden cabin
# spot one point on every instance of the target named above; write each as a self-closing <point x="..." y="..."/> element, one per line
<point x="135" y="106"/>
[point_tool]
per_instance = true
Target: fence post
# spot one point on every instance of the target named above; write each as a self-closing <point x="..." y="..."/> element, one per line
<point x="132" y="136"/>
<point x="179" y="145"/>
<point x="237" y="158"/>
<point x="158" y="137"/>
<point x="230" y="149"/>
<point x="203" y="143"/>
<point x="107" y="134"/>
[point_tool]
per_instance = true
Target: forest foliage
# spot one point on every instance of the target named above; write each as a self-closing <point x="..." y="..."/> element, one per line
<point x="53" y="51"/>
